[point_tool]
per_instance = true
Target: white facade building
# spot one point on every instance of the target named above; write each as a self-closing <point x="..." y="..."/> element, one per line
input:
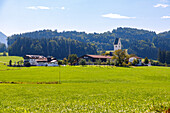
<point x="136" y="58"/>
<point x="37" y="60"/>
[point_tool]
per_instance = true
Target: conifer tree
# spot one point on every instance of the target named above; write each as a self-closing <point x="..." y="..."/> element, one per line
<point x="167" y="57"/>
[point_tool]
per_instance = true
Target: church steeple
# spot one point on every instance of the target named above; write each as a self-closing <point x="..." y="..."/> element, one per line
<point x="117" y="44"/>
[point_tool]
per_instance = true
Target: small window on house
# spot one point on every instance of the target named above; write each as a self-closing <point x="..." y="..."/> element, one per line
<point x="116" y="46"/>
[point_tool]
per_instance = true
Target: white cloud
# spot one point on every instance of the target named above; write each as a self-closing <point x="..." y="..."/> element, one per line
<point x="165" y="17"/>
<point x="43" y="7"/>
<point x="32" y="7"/>
<point x="62" y="8"/>
<point x="117" y="16"/>
<point x="38" y="7"/>
<point x="161" y="5"/>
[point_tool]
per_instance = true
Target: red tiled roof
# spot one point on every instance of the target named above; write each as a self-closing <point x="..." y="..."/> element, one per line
<point x="137" y="57"/>
<point x="42" y="60"/>
<point x="35" y="56"/>
<point x="99" y="56"/>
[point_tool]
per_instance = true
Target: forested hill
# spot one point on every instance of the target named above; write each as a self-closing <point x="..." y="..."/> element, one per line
<point x="140" y="42"/>
<point x="57" y="47"/>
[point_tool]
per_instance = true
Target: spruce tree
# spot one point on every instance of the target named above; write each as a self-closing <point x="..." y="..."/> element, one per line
<point x="146" y="61"/>
<point x="159" y="55"/>
<point x="163" y="56"/>
<point x="167" y="59"/>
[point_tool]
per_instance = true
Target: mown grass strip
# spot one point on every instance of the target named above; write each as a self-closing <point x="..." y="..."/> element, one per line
<point x="56" y="82"/>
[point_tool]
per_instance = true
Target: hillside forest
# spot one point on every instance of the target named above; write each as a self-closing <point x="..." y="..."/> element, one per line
<point x="143" y="43"/>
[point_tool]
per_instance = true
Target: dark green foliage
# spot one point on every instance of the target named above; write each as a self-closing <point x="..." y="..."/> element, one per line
<point x="82" y="62"/>
<point x="60" y="62"/>
<point x="167" y="58"/>
<point x="98" y="62"/>
<point x="164" y="56"/>
<point x="64" y="61"/>
<point x="120" y="56"/>
<point x="10" y="63"/>
<point x="4" y="54"/>
<point x="146" y="60"/>
<point x="159" y="55"/>
<point x="108" y="62"/>
<point x="72" y="58"/>
<point x="57" y="47"/>
<point x="27" y="64"/>
<point x="143" y="43"/>
<point x="135" y="61"/>
<point x="2" y="47"/>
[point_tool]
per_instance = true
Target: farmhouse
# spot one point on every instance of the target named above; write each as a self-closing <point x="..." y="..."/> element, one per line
<point x="37" y="60"/>
<point x="136" y="58"/>
<point x="94" y="58"/>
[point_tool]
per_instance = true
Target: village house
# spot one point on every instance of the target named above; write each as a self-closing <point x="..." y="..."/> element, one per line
<point x="37" y="60"/>
<point x="131" y="59"/>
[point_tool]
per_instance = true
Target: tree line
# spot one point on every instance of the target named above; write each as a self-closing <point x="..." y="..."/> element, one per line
<point x="164" y="56"/>
<point x="56" y="47"/>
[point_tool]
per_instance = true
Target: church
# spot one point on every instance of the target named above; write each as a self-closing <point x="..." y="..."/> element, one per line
<point x="93" y="58"/>
<point x="117" y="44"/>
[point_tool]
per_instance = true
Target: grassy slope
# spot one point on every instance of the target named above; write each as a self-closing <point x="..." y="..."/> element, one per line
<point x="6" y="59"/>
<point x="100" y="89"/>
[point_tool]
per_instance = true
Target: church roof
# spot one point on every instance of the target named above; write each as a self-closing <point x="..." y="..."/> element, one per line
<point x="116" y="41"/>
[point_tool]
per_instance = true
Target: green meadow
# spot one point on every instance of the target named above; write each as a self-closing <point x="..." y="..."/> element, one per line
<point x="84" y="89"/>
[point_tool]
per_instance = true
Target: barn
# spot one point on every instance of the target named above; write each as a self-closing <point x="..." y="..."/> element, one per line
<point x="94" y="58"/>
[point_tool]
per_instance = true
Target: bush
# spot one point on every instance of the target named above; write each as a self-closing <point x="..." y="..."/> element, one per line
<point x="129" y="64"/>
<point x="82" y="62"/>
<point x="108" y="62"/>
<point x="10" y="63"/>
<point x="90" y="62"/>
<point x="124" y="64"/>
<point x="146" y="61"/>
<point x="116" y="63"/>
<point x="112" y="63"/>
<point x="98" y="62"/>
<point x="64" y="62"/>
<point x="135" y="61"/>
<point x="104" y="63"/>
<point x="60" y="62"/>
<point x="4" y="54"/>
<point x="27" y="64"/>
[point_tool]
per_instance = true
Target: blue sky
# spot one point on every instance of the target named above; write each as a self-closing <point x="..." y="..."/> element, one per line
<point x="18" y="16"/>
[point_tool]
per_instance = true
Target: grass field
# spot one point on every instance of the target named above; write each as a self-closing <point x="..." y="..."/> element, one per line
<point x="85" y="89"/>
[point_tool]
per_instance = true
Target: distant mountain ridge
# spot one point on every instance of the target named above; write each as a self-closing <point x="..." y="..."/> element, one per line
<point x="141" y="42"/>
<point x="3" y="38"/>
